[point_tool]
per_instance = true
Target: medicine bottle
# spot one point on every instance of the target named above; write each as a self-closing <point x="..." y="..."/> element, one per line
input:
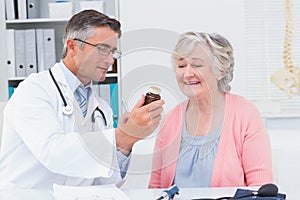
<point x="153" y="94"/>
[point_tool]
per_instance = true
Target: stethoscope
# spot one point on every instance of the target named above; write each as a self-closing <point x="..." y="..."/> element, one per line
<point x="68" y="110"/>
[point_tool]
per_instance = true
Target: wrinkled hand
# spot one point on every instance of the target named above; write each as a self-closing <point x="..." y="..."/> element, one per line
<point x="140" y="123"/>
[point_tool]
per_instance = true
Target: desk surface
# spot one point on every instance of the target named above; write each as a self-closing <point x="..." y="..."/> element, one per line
<point x="184" y="193"/>
<point x="136" y="194"/>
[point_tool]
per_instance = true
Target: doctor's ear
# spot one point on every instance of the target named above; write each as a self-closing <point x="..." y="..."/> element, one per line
<point x="71" y="46"/>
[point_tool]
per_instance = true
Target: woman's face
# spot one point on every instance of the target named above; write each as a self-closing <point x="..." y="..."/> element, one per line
<point x="194" y="74"/>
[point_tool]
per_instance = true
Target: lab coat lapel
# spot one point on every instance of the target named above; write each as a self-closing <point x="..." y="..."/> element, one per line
<point x="69" y="96"/>
<point x="62" y="82"/>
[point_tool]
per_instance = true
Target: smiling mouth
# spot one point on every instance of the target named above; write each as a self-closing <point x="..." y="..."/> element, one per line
<point x="192" y="83"/>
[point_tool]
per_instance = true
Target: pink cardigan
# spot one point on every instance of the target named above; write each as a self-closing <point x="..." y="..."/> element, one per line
<point x="244" y="154"/>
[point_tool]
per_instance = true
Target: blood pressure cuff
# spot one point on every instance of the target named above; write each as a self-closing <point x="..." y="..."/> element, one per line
<point x="242" y="192"/>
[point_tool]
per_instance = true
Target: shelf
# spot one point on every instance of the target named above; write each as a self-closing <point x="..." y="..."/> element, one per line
<point x="36" y="20"/>
<point x="111" y="75"/>
<point x="16" y="79"/>
<point x="110" y="78"/>
<point x="108" y="75"/>
<point x="7" y="85"/>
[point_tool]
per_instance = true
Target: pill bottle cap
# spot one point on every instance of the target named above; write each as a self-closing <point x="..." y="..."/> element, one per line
<point x="154" y="90"/>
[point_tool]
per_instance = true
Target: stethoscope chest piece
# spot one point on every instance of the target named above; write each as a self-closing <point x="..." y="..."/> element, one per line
<point x="67" y="110"/>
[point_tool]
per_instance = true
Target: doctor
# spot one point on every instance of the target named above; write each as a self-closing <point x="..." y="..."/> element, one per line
<point x="57" y="131"/>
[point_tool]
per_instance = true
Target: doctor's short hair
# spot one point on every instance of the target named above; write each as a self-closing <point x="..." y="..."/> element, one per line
<point x="220" y="50"/>
<point x="82" y="24"/>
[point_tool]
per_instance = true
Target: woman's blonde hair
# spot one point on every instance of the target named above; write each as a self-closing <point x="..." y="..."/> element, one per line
<point x="220" y="50"/>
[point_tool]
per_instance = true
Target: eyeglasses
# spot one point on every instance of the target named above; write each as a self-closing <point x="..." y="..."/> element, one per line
<point x="103" y="49"/>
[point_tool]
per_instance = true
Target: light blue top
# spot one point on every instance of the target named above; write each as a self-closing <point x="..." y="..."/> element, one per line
<point x="73" y="82"/>
<point x="196" y="159"/>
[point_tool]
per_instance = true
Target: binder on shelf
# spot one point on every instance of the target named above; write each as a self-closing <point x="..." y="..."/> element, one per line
<point x="109" y="92"/>
<point x="96" y="5"/>
<point x="11" y="90"/>
<point x="113" y="68"/>
<point x="114" y="102"/>
<point x="20" y="53"/>
<point x="49" y="48"/>
<point x="104" y="90"/>
<point x="30" y="52"/>
<point x="33" y="9"/>
<point x="110" y="68"/>
<point x="60" y="10"/>
<point x="10" y="53"/>
<point x="10" y="9"/>
<point x="22" y="9"/>
<point x="40" y="49"/>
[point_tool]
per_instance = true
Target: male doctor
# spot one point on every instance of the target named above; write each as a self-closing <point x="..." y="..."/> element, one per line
<point x="57" y="131"/>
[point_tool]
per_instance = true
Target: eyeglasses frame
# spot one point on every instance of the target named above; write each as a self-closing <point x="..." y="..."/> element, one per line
<point x="115" y="52"/>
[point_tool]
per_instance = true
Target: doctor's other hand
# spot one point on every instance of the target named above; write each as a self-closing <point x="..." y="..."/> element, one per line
<point x="142" y="121"/>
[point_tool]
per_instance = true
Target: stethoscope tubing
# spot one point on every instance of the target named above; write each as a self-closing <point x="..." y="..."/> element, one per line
<point x="59" y="90"/>
<point x="102" y="114"/>
<point x="68" y="110"/>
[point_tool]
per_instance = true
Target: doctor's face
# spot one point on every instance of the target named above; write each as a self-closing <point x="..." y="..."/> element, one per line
<point x="91" y="61"/>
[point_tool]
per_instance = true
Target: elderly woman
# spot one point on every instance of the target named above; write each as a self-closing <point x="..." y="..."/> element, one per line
<point x="214" y="138"/>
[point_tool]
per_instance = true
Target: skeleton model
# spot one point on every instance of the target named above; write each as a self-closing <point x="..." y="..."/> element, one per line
<point x="288" y="79"/>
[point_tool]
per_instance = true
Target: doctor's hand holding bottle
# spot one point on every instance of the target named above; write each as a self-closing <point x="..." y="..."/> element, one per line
<point x="138" y="124"/>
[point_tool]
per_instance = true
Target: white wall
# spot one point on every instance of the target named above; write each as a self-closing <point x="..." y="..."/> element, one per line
<point x="285" y="153"/>
<point x="150" y="32"/>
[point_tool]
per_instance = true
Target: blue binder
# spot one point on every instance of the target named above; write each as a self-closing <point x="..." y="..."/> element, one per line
<point x="114" y="101"/>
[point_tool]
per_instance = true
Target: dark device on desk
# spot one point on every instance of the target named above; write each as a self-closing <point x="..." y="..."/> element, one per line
<point x="169" y="193"/>
<point x="265" y="192"/>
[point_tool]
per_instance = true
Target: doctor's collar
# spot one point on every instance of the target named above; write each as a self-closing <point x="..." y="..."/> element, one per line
<point x="72" y="80"/>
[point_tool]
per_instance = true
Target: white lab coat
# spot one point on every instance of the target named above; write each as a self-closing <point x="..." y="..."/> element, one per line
<point x="41" y="146"/>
